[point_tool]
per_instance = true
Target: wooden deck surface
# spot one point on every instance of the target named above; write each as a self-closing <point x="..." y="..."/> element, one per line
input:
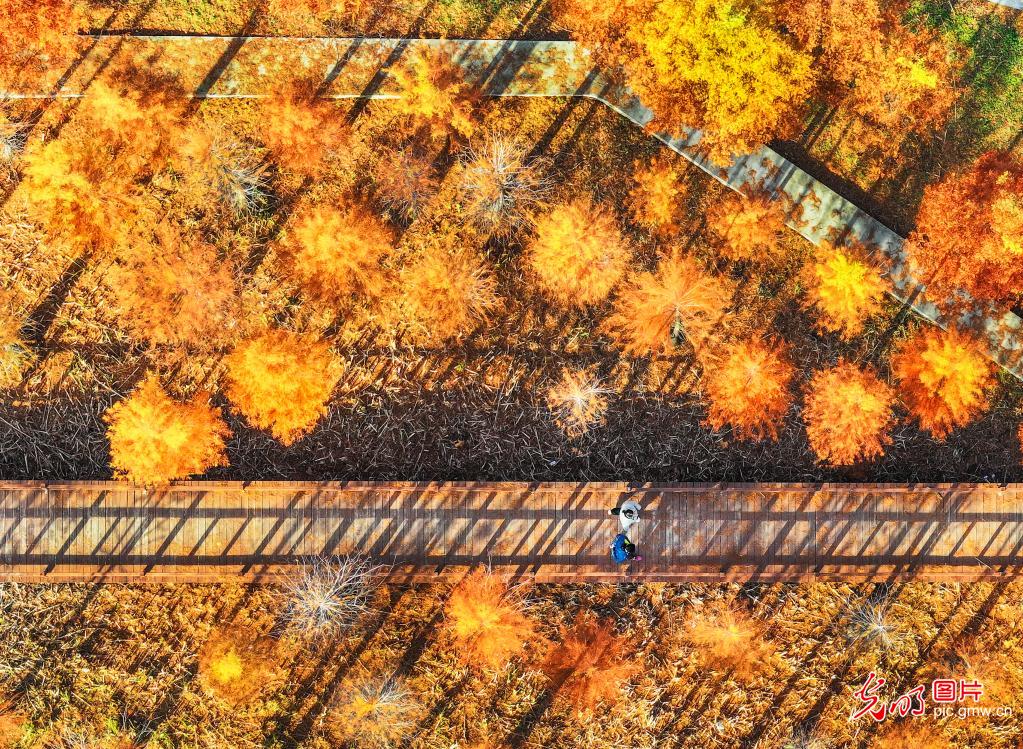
<point x="207" y="531"/>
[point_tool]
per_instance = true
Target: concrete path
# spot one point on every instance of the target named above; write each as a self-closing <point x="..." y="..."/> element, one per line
<point x="553" y="532"/>
<point x="243" y="67"/>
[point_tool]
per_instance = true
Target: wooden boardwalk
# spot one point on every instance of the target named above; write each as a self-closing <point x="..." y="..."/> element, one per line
<point x="208" y="531"/>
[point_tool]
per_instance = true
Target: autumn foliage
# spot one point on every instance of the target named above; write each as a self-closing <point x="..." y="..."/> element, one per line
<point x="945" y="377"/>
<point x="748" y="227"/>
<point x="748" y="389"/>
<point x="336" y="252"/>
<point x="899" y="80"/>
<point x="730" y="639"/>
<point x="578" y="253"/>
<point x="848" y="412"/>
<point x="281" y="382"/>
<point x="969" y="235"/>
<point x="126" y="103"/>
<point x="433" y="93"/>
<point x="77" y="194"/>
<point x="172" y="290"/>
<point x="235" y="665"/>
<point x="38" y="34"/>
<point x="445" y="292"/>
<point x="722" y="67"/>
<point x="657" y="195"/>
<point x="677" y="301"/>
<point x="845" y="286"/>
<point x="155" y="439"/>
<point x="486" y="621"/>
<point x="590" y="665"/>
<point x="301" y="131"/>
<point x="405" y="181"/>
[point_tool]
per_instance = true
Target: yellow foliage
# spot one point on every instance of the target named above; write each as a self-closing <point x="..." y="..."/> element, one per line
<point x="76" y="194"/>
<point x="590" y="21"/>
<point x="845" y="286"/>
<point x="749" y="389"/>
<point x="236" y="665"/>
<point x="679" y="300"/>
<point x="335" y="253"/>
<point x="1007" y="222"/>
<point x="434" y="94"/>
<point x="301" y="131"/>
<point x="945" y="378"/>
<point x="155" y="439"/>
<point x="126" y="104"/>
<point x="171" y="291"/>
<point x="720" y="66"/>
<point x="749" y="227"/>
<point x="590" y="664"/>
<point x="578" y="253"/>
<point x="282" y="381"/>
<point x="577" y="401"/>
<point x="445" y="292"/>
<point x="848" y="412"/>
<point x="731" y="639"/>
<point x="656" y="195"/>
<point x="486" y="620"/>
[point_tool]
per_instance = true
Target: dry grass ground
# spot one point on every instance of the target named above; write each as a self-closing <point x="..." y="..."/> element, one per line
<point x="140" y="663"/>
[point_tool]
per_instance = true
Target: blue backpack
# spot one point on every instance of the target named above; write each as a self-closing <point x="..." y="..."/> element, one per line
<point x="622" y="549"/>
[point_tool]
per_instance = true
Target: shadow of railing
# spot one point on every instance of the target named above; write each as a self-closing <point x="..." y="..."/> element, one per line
<point x="517" y="529"/>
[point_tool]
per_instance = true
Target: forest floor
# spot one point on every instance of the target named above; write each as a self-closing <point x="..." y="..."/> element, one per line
<point x="474" y="409"/>
<point x="129" y="663"/>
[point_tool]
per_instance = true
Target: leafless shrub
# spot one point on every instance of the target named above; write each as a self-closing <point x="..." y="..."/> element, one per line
<point x="405" y="181"/>
<point x="379" y="713"/>
<point x="328" y="594"/>
<point x="871" y="623"/>
<point x="577" y="402"/>
<point x="804" y="737"/>
<point x="500" y="184"/>
<point x="242" y="179"/>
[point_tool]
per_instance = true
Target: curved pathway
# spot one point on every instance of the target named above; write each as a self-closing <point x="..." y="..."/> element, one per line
<point x="243" y="67"/>
<point x="210" y="531"/>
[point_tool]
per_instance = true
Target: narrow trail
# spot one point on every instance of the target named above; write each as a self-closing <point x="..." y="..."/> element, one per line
<point x="558" y="532"/>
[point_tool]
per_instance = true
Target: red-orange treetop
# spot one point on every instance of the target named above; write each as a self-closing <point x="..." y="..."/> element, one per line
<point x="748" y="389"/>
<point x="848" y="413"/>
<point x="945" y="378"/>
<point x="969" y="235"/>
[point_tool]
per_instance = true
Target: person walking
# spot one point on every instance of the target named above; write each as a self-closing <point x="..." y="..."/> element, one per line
<point x="628" y="514"/>
<point x="622" y="548"/>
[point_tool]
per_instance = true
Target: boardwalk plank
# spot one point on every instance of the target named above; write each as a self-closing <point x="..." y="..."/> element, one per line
<point x="556" y="532"/>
